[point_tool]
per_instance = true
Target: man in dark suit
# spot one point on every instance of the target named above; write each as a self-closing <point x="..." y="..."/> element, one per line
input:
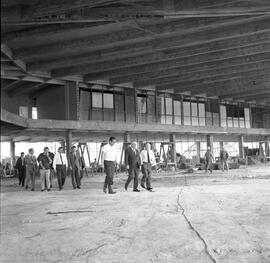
<point x="133" y="163"/>
<point x="75" y="166"/>
<point x="20" y="166"/>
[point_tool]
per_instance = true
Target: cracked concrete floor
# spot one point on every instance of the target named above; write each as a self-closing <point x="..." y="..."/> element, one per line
<point x="231" y="214"/>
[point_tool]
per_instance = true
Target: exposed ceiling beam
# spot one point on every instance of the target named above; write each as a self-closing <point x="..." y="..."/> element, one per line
<point x="218" y="73"/>
<point x="149" y="54"/>
<point x="63" y="48"/>
<point x="214" y="61"/>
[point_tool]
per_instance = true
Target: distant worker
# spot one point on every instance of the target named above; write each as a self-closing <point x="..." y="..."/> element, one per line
<point x="75" y="166"/>
<point x="209" y="159"/>
<point x="147" y="160"/>
<point x="133" y="163"/>
<point x="20" y="166"/>
<point x="51" y="155"/>
<point x="45" y="162"/>
<point x="60" y="165"/>
<point x="30" y="169"/>
<point x="224" y="156"/>
<point x="109" y="162"/>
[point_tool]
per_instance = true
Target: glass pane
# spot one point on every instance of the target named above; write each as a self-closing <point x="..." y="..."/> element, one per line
<point x="96" y="100"/>
<point x="246" y="110"/>
<point x="194" y="109"/>
<point x="177" y="108"/>
<point x="168" y="106"/>
<point x="141" y="101"/>
<point x="201" y="110"/>
<point x="223" y="116"/>
<point x="195" y="121"/>
<point x="186" y="106"/>
<point x="108" y="101"/>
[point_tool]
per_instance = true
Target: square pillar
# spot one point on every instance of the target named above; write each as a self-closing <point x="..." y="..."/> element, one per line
<point x="210" y="141"/>
<point x="173" y="141"/>
<point x="12" y="152"/>
<point x="241" y="146"/>
<point x="68" y="142"/>
<point x="198" y="151"/>
<point x="267" y="148"/>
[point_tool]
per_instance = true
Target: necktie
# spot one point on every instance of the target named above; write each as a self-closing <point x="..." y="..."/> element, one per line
<point x="32" y="158"/>
<point x="148" y="157"/>
<point x="61" y="158"/>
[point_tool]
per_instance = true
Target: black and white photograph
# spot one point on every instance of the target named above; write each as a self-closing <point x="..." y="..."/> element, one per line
<point x="135" y="131"/>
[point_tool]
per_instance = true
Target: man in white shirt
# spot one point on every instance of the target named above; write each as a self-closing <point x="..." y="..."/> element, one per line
<point x="108" y="162"/>
<point x="60" y="165"/>
<point x="148" y="160"/>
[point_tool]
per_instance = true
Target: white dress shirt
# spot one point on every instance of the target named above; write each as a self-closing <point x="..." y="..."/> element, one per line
<point x="108" y="153"/>
<point x="57" y="160"/>
<point x="144" y="157"/>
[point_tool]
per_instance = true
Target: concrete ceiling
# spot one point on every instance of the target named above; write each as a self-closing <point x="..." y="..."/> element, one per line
<point x="217" y="49"/>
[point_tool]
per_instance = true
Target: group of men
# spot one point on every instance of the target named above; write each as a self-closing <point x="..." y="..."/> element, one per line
<point x="209" y="159"/>
<point x="47" y="164"/>
<point x="134" y="160"/>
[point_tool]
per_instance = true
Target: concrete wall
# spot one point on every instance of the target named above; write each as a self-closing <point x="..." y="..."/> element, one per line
<point x="51" y="103"/>
<point x="12" y="103"/>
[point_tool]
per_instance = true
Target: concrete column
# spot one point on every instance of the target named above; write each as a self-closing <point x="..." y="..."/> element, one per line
<point x="198" y="151"/>
<point x="68" y="141"/>
<point x="267" y="147"/>
<point x="241" y="146"/>
<point x="12" y="152"/>
<point x="127" y="137"/>
<point x="221" y="145"/>
<point x="210" y="141"/>
<point x="173" y="141"/>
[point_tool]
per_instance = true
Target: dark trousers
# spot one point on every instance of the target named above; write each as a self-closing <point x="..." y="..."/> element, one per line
<point x="75" y="177"/>
<point x="208" y="165"/>
<point x="30" y="176"/>
<point x="109" y="169"/>
<point x="147" y="174"/>
<point x="21" y="174"/>
<point x="61" y="175"/>
<point x="133" y="173"/>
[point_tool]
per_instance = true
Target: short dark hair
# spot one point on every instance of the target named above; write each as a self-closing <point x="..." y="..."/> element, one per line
<point x="73" y="147"/>
<point x="46" y="148"/>
<point x="60" y="148"/>
<point x="31" y="149"/>
<point x="22" y="153"/>
<point x="112" y="138"/>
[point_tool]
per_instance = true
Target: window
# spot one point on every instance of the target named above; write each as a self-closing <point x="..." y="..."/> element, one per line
<point x="194" y="112"/>
<point x="201" y="107"/>
<point x="34" y="113"/>
<point x="23" y="111"/>
<point x="108" y="101"/>
<point x="247" y="117"/>
<point x="177" y="111"/>
<point x="223" y="116"/>
<point x="169" y="112"/>
<point x="96" y="100"/>
<point x="186" y="106"/>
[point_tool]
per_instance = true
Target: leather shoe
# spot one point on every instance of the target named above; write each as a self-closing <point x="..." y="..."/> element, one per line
<point x="78" y="187"/>
<point x="150" y="189"/>
<point x="112" y="192"/>
<point x="136" y="190"/>
<point x="143" y="186"/>
<point x="126" y="187"/>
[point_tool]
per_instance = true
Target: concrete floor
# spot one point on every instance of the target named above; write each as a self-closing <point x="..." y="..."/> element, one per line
<point x="213" y="218"/>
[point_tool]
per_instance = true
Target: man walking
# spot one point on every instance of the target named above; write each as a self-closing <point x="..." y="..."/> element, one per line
<point x="20" y="166"/>
<point x="148" y="160"/>
<point x="208" y="160"/>
<point x="60" y="165"/>
<point x="224" y="156"/>
<point x="75" y="165"/>
<point x="108" y="162"/>
<point x="45" y="162"/>
<point x="133" y="163"/>
<point x="30" y="169"/>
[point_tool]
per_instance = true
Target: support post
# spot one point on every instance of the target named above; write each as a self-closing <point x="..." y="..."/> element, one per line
<point x="68" y="141"/>
<point x="241" y="146"/>
<point x="173" y="141"/>
<point x="198" y="152"/>
<point x="267" y="147"/>
<point x="12" y="152"/>
<point x="210" y="142"/>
